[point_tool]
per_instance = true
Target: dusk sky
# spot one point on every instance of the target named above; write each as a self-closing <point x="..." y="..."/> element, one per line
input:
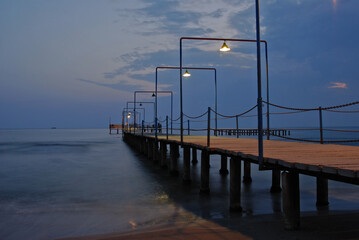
<point x="75" y="63"/>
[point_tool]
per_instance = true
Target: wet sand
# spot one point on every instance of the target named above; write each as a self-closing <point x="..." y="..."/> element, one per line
<point x="337" y="225"/>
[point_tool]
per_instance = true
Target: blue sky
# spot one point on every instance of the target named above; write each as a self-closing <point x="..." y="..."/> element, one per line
<point x="74" y="64"/>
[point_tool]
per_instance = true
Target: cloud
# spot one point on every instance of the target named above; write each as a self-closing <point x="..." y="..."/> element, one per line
<point x="338" y="85"/>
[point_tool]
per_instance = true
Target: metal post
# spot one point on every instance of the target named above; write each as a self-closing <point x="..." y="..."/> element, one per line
<point x="171" y="113"/>
<point x="209" y="127"/>
<point x="267" y="79"/>
<point x="156" y="106"/>
<point x="215" y="99"/>
<point x="143" y="125"/>
<point x="123" y="122"/>
<point x="134" y="112"/>
<point x="321" y="125"/>
<point x="181" y="98"/>
<point x="167" y="127"/>
<point x="237" y="126"/>
<point x="188" y="127"/>
<point x="259" y="85"/>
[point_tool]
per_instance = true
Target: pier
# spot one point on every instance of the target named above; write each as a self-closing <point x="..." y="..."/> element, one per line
<point x="285" y="159"/>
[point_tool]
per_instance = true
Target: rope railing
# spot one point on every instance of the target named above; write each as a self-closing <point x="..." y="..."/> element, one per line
<point x="341" y="106"/>
<point x="312" y="109"/>
<point x="233" y="116"/>
<point x="195" y="124"/>
<point x="175" y="120"/>
<point x="196" y="117"/>
<point x="337" y="111"/>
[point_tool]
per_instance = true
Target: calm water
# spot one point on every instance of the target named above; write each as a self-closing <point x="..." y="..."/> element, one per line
<point x="61" y="183"/>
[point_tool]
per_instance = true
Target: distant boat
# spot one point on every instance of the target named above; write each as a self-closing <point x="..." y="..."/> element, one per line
<point x="53" y="128"/>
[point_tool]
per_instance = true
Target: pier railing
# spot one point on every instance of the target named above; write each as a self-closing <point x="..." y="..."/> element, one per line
<point x="201" y="125"/>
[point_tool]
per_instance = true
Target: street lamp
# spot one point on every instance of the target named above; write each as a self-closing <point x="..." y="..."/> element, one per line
<point x="153" y="95"/>
<point x="186" y="74"/>
<point x="259" y="82"/>
<point x="126" y="115"/>
<point x="224" y="47"/>
<point x="144" y="117"/>
<point x="194" y="68"/>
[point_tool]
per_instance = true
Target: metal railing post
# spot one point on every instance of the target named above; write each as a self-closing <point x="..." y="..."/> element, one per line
<point x="143" y="125"/>
<point x="188" y="129"/>
<point x="209" y="127"/>
<point x="237" y="126"/>
<point x="321" y="125"/>
<point x="167" y="127"/>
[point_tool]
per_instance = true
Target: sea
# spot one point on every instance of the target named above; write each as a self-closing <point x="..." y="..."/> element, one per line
<point x="58" y="183"/>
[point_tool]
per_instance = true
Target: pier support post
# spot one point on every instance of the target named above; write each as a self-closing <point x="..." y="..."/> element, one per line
<point x="247" y="172"/>
<point x="275" y="181"/>
<point x="142" y="146"/>
<point x="322" y="191"/>
<point x="186" y="164"/>
<point x="194" y="156"/>
<point x="224" y="168"/>
<point x="145" y="146"/>
<point x="155" y="151"/>
<point x="291" y="202"/>
<point x="204" y="172"/>
<point x="149" y="149"/>
<point x="173" y="159"/>
<point x="235" y="185"/>
<point x="163" y="150"/>
<point x="176" y="148"/>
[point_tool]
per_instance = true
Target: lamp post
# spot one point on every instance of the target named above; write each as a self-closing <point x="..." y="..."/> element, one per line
<point x="127" y="103"/>
<point x="153" y="95"/>
<point x="128" y="113"/>
<point x="259" y="82"/>
<point x="186" y="74"/>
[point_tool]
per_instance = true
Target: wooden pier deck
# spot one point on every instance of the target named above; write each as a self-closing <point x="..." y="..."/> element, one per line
<point x="338" y="162"/>
<point x="286" y="160"/>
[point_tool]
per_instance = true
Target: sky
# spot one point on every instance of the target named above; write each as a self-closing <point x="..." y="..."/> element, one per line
<point x="76" y="63"/>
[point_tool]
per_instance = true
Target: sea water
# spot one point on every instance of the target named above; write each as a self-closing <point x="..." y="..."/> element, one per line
<point x="58" y="183"/>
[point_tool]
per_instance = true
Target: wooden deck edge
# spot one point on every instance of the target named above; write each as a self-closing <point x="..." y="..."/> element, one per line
<point x="347" y="173"/>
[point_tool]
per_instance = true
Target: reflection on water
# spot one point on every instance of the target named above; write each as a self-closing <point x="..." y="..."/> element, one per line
<point x="59" y="183"/>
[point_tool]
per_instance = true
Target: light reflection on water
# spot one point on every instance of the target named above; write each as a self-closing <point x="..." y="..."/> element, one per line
<point x="58" y="183"/>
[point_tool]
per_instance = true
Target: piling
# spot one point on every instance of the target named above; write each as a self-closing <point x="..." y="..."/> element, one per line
<point x="176" y="150"/>
<point x="186" y="164"/>
<point x="173" y="159"/>
<point x="247" y="172"/>
<point x="290" y="198"/>
<point x="204" y="172"/>
<point x="235" y="185"/>
<point x="194" y="156"/>
<point x="322" y="191"/>
<point x="155" y="156"/>
<point x="224" y="168"/>
<point x="275" y="181"/>
<point x="163" y="152"/>
<point x="149" y="149"/>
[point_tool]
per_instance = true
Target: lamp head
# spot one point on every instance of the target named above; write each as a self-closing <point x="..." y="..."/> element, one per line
<point x="153" y="95"/>
<point x="140" y="104"/>
<point x="186" y="74"/>
<point x="224" y="47"/>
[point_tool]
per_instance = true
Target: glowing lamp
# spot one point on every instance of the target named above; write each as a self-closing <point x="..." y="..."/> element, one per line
<point x="224" y="48"/>
<point x="186" y="74"/>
